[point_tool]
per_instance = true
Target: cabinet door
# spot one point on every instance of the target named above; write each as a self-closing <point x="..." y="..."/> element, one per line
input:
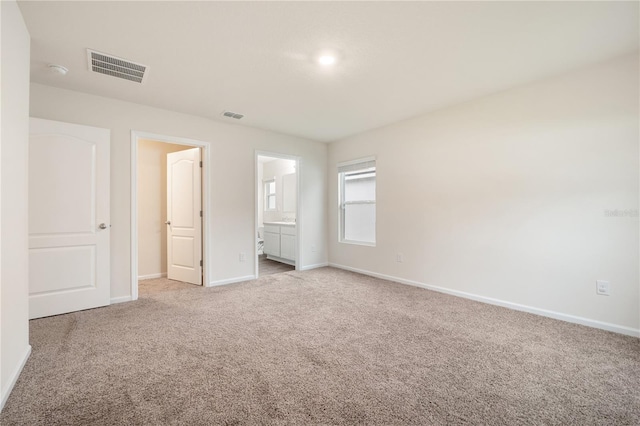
<point x="288" y="247"/>
<point x="272" y="244"/>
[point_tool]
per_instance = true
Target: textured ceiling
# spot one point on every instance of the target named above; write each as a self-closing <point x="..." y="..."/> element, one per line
<point x="397" y="59"/>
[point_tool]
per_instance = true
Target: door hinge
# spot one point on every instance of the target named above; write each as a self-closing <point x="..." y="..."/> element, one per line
<point x="201" y="164"/>
<point x="201" y="263"/>
<point x="200" y="213"/>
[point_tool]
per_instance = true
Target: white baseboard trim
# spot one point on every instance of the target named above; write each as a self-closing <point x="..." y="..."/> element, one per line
<point x="14" y="377"/>
<point x="120" y="299"/>
<point x="314" y="266"/>
<point x="151" y="276"/>
<point x="515" y="306"/>
<point x="231" y="280"/>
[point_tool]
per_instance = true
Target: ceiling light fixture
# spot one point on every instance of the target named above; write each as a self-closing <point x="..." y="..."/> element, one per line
<point x="327" y="60"/>
<point x="58" y="69"/>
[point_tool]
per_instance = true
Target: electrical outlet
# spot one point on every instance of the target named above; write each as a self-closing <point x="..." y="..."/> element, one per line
<point x="242" y="256"/>
<point x="313" y="248"/>
<point x="603" y="288"/>
<point x="399" y="257"/>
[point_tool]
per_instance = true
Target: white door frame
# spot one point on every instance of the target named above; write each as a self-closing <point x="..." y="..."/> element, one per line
<point x="206" y="214"/>
<point x="299" y="213"/>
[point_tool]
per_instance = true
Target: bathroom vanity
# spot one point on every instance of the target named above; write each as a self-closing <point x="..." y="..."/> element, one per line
<point x="280" y="241"/>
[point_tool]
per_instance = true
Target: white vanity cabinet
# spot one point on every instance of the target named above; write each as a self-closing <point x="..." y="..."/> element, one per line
<point x="280" y="241"/>
<point x="271" y="242"/>
<point x="288" y="242"/>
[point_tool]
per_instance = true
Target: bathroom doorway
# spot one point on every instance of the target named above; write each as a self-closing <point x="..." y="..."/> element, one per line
<point x="277" y="214"/>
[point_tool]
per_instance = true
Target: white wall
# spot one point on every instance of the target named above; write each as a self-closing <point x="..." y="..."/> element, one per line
<point x="14" y="137"/>
<point x="276" y="169"/>
<point x="152" y="206"/>
<point x="505" y="197"/>
<point x="232" y="226"/>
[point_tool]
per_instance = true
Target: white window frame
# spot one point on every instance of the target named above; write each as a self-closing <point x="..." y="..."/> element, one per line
<point x="268" y="194"/>
<point x="344" y="168"/>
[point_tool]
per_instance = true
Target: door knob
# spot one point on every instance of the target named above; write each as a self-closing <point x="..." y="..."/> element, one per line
<point x="102" y="226"/>
<point x="168" y="222"/>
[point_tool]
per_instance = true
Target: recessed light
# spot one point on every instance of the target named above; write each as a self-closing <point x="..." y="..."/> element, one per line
<point x="58" y="69"/>
<point x="327" y="59"/>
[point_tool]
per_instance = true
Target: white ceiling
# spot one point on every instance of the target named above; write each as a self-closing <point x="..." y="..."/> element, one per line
<point x="398" y="59"/>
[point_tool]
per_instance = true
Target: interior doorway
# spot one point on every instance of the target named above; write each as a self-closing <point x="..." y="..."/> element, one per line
<point x="277" y="213"/>
<point x="169" y="214"/>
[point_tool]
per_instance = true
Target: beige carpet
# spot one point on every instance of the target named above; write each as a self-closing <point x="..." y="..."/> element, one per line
<point x="320" y="347"/>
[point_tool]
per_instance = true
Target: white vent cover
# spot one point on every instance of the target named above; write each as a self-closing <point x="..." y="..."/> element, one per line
<point x="116" y="67"/>
<point x="232" y="115"/>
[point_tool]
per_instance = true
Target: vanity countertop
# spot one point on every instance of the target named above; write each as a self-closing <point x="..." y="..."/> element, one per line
<point x="281" y="223"/>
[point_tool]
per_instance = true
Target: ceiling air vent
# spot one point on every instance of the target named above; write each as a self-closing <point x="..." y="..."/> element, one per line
<point x="116" y="67"/>
<point x="232" y="115"/>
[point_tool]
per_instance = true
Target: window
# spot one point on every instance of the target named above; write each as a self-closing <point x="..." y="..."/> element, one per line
<point x="357" y="192"/>
<point x="270" y="194"/>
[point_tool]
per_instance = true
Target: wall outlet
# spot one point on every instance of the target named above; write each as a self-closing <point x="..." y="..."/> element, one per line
<point x="242" y="256"/>
<point x="313" y="248"/>
<point x="399" y="257"/>
<point x="603" y="288"/>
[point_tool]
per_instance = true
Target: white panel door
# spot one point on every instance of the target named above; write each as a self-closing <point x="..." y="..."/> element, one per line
<point x="68" y="218"/>
<point x="184" y="216"/>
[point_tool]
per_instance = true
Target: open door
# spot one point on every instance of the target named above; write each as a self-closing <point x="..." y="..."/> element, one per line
<point x="69" y="223"/>
<point x="184" y="216"/>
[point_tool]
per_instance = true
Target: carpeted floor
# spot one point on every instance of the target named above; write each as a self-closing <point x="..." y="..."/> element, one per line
<point x="320" y="347"/>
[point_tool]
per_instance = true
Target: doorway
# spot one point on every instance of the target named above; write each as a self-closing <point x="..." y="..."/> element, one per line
<point x="169" y="214"/>
<point x="277" y="213"/>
